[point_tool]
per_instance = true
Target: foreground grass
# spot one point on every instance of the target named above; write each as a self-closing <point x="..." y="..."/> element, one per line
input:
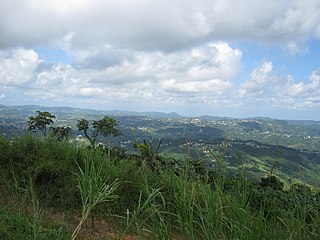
<point x="187" y="203"/>
<point x="20" y="225"/>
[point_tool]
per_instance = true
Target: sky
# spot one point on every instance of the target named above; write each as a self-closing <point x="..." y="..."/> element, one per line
<point x="235" y="58"/>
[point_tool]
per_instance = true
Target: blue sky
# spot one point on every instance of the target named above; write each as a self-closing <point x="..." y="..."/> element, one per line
<point x="217" y="57"/>
<point x="53" y="55"/>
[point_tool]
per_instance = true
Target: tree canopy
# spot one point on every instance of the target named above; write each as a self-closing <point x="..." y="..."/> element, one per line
<point x="40" y="122"/>
<point x="104" y="127"/>
<point x="61" y="133"/>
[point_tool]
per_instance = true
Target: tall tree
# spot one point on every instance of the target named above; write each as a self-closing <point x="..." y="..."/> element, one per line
<point x="40" y="122"/>
<point x="105" y="127"/>
<point x="83" y="125"/>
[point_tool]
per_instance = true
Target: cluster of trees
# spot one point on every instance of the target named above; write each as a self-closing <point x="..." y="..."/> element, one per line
<point x="104" y="127"/>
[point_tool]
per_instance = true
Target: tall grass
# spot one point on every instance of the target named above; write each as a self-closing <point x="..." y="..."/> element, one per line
<point x="17" y="225"/>
<point x="94" y="190"/>
<point x="159" y="204"/>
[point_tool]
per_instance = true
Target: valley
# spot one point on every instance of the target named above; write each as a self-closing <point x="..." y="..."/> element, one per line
<point x="254" y="144"/>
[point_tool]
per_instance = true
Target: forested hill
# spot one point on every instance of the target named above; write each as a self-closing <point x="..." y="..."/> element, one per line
<point x="251" y="142"/>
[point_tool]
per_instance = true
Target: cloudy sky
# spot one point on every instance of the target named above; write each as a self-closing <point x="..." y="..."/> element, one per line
<point x="238" y="58"/>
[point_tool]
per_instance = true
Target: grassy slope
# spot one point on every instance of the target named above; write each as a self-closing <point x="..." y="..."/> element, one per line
<point x="189" y="203"/>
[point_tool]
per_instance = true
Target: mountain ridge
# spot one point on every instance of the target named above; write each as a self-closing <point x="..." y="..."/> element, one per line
<point x="153" y="114"/>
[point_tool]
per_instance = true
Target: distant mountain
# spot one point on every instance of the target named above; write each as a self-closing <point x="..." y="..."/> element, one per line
<point x="151" y="114"/>
<point x="304" y="122"/>
<point x="213" y="118"/>
<point x="298" y="134"/>
<point x="30" y="109"/>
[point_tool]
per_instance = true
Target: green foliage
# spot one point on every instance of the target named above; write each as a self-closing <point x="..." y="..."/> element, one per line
<point x="18" y="226"/>
<point x="187" y="203"/>
<point x="40" y="122"/>
<point x="83" y="125"/>
<point x="61" y="133"/>
<point x="93" y="189"/>
<point x="49" y="163"/>
<point x="272" y="182"/>
<point x="143" y="212"/>
<point x="205" y="133"/>
<point x="37" y="211"/>
<point x="146" y="152"/>
<point x="105" y="127"/>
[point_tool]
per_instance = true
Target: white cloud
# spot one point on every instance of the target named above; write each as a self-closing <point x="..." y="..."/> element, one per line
<point x="266" y="89"/>
<point x="57" y="76"/>
<point x="294" y="49"/>
<point x="90" y="92"/>
<point x="300" y="90"/>
<point x="206" y="70"/>
<point x="261" y="80"/>
<point x="155" y="24"/>
<point x="161" y="52"/>
<point x="17" y="66"/>
<point x="215" y="86"/>
<point x="301" y="19"/>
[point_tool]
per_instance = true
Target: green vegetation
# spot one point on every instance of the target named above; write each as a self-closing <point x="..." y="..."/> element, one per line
<point x="254" y="139"/>
<point x="146" y="152"/>
<point x="105" y="127"/>
<point x="94" y="190"/>
<point x="210" y="189"/>
<point x="180" y="199"/>
<point x="40" y="122"/>
<point x="61" y="133"/>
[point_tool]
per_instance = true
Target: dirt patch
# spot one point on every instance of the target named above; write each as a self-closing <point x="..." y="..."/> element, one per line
<point x="96" y="230"/>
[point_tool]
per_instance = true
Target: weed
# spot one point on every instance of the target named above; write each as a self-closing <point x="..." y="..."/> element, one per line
<point x="93" y="189"/>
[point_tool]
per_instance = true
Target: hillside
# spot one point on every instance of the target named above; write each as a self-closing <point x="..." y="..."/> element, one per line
<point x="250" y="142"/>
<point x="58" y="190"/>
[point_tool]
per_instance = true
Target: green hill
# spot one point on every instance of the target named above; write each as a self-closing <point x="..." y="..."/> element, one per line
<point x="251" y="142"/>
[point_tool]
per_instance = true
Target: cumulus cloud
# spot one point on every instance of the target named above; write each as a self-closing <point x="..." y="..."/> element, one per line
<point x="90" y="92"/>
<point x="215" y="86"/>
<point x="17" y="66"/>
<point x="261" y="80"/>
<point x="301" y="17"/>
<point x="295" y="49"/>
<point x="301" y="94"/>
<point x="155" y="24"/>
<point x="154" y="51"/>
<point x="99" y="57"/>
<point x="206" y="70"/>
<point x="198" y="75"/>
<point x="264" y="87"/>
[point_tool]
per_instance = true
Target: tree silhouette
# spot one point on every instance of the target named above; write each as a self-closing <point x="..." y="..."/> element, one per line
<point x="40" y="122"/>
<point x="61" y="133"/>
<point x="105" y="127"/>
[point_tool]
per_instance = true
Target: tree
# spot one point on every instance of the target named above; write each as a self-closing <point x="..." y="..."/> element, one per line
<point x="83" y="125"/>
<point x="61" y="133"/>
<point x="146" y="152"/>
<point x="40" y="122"/>
<point x="105" y="127"/>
